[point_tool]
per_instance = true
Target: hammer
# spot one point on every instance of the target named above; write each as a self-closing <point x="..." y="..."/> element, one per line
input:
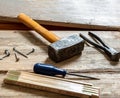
<point x="60" y="49"/>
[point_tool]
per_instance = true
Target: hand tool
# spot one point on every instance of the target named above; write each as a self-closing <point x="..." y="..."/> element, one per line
<point x="112" y="53"/>
<point x="52" y="84"/>
<point x="47" y="69"/>
<point x="60" y="49"/>
<point x="20" y="53"/>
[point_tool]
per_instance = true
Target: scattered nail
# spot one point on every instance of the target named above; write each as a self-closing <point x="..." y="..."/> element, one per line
<point x="17" y="59"/>
<point x="7" y="53"/>
<point x="20" y="53"/>
<point x="33" y="50"/>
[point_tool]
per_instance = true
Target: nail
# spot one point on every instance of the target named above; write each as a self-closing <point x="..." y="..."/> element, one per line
<point x="17" y="59"/>
<point x="20" y="53"/>
<point x="33" y="50"/>
<point x="7" y="53"/>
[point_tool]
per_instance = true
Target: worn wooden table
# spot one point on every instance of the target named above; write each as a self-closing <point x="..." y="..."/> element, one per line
<point x="92" y="62"/>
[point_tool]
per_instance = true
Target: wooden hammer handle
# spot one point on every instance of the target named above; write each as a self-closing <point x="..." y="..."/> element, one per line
<point x="51" y="37"/>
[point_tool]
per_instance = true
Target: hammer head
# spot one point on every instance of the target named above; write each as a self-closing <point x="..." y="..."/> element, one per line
<point x="66" y="48"/>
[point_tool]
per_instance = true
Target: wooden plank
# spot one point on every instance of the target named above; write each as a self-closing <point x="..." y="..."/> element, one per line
<point x="102" y="15"/>
<point x="52" y="84"/>
<point x="26" y="40"/>
<point x="21" y="26"/>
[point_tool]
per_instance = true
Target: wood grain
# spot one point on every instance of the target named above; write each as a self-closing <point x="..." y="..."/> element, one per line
<point x="87" y="14"/>
<point x="97" y="65"/>
<point x="109" y="88"/>
<point x="21" y="26"/>
<point x="24" y="41"/>
<point x="52" y="84"/>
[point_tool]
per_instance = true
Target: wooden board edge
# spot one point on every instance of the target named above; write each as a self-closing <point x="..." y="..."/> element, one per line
<point x="65" y="24"/>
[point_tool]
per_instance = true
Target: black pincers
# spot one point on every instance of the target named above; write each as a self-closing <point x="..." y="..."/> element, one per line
<point x="112" y="53"/>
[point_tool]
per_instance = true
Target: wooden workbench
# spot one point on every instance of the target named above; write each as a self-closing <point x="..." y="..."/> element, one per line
<point x="92" y="62"/>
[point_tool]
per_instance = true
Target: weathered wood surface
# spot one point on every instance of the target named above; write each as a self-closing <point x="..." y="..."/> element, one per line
<point x="85" y="14"/>
<point x="26" y="40"/>
<point x="91" y="62"/>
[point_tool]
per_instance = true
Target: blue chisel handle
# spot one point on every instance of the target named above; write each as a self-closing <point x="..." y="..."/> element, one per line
<point x="47" y="69"/>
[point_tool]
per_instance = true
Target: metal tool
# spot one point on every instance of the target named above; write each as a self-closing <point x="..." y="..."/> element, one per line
<point x="20" y="53"/>
<point x="60" y="49"/>
<point x="47" y="69"/>
<point x="112" y="53"/>
<point x="7" y="53"/>
<point x="33" y="50"/>
<point x="17" y="59"/>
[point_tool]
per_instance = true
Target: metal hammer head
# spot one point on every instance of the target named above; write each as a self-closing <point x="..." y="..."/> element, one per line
<point x="66" y="48"/>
